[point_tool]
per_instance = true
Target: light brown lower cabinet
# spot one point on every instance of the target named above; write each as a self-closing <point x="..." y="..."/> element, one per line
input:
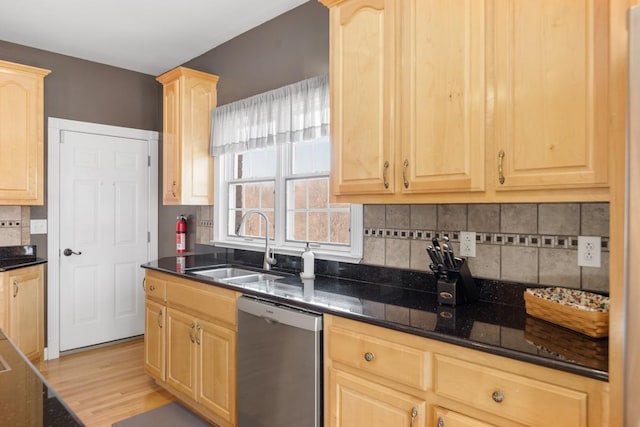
<point x="446" y="418"/>
<point x="22" y="309"/>
<point x="190" y="348"/>
<point x="375" y="376"/>
<point x="155" y="319"/>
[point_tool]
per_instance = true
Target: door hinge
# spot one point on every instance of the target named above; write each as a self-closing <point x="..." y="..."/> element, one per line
<point x="149" y="161"/>
<point x="148" y="237"/>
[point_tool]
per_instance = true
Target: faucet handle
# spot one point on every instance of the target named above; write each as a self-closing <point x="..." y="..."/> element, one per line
<point x="272" y="257"/>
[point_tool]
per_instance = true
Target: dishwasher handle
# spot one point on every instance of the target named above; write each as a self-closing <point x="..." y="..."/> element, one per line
<point x="277" y="313"/>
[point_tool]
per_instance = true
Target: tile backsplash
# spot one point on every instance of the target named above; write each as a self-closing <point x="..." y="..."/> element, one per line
<point x="528" y="243"/>
<point x="15" y="227"/>
<point x="524" y="242"/>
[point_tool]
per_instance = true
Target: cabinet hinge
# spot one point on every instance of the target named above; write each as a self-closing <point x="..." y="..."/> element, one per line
<point x="148" y="237"/>
<point x="149" y="161"/>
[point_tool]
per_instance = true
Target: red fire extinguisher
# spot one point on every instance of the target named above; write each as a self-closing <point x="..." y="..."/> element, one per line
<point x="181" y="234"/>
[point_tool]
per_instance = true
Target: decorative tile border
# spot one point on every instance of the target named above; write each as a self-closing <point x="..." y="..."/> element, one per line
<point x="502" y="239"/>
<point x="10" y="223"/>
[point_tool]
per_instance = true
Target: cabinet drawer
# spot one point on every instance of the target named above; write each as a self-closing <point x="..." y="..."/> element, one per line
<point x="155" y="288"/>
<point x="391" y="360"/>
<point x="203" y="300"/>
<point x="508" y="395"/>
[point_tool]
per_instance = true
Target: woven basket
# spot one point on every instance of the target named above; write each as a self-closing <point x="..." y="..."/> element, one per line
<point x="591" y="323"/>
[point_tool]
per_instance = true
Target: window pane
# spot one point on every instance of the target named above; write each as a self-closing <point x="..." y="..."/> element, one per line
<point x="312" y="156"/>
<point x="299" y="227"/>
<point x="257" y="163"/>
<point x="247" y="196"/>
<point x="318" y="226"/>
<point x="339" y="223"/>
<point x="310" y="216"/>
<point x="319" y="193"/>
<point x="298" y="193"/>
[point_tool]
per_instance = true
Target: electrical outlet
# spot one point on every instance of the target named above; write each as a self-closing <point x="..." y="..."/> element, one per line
<point x="589" y="251"/>
<point x="38" y="226"/>
<point x="468" y="243"/>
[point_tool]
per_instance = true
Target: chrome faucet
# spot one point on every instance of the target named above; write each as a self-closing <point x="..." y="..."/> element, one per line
<point x="269" y="255"/>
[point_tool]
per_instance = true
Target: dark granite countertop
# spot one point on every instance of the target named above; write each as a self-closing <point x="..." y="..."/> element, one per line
<point x="496" y="324"/>
<point x="25" y="397"/>
<point x="12" y="257"/>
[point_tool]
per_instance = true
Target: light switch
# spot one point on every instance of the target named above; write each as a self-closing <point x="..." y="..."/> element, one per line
<point x="38" y="226"/>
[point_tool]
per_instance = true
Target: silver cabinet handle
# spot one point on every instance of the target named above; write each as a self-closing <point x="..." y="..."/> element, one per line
<point x="414" y="414"/>
<point x="198" y="328"/>
<point x="160" y="318"/>
<point x="500" y="174"/>
<point x="497" y="396"/>
<point x="385" y="169"/>
<point x="144" y="281"/>
<point x="193" y="325"/>
<point x="368" y="356"/>
<point x="405" y="165"/>
<point x="440" y="422"/>
<point x="15" y="288"/>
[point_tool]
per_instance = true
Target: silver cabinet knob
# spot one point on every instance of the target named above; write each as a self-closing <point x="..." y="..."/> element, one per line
<point x="497" y="396"/>
<point x="368" y="356"/>
<point x="440" y="422"/>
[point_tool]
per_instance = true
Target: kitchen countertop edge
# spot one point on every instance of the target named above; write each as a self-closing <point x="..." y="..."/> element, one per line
<point x="438" y="336"/>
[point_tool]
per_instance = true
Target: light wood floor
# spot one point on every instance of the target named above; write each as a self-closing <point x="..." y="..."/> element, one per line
<point x="105" y="385"/>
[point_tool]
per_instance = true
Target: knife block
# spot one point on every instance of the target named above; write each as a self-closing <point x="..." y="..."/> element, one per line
<point x="457" y="286"/>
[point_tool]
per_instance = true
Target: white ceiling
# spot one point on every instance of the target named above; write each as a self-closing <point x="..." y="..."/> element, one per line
<point x="149" y="36"/>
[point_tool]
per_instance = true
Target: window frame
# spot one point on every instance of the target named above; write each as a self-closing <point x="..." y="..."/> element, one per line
<point x="223" y="176"/>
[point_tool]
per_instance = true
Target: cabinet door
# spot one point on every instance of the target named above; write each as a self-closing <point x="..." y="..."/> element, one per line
<point x="446" y="418"/>
<point x="181" y="352"/>
<point x="154" y="339"/>
<point x="363" y="50"/>
<point x="25" y="308"/>
<point x="217" y="366"/>
<point x="198" y="99"/>
<point x="171" y="152"/>
<point x="355" y="402"/>
<point x="21" y="134"/>
<point x="443" y="96"/>
<point x="551" y="93"/>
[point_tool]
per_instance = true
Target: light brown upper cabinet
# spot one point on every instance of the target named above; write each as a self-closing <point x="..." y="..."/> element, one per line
<point x="187" y="168"/>
<point x="551" y="94"/>
<point x="363" y="61"/>
<point x="21" y="134"/>
<point x="470" y="101"/>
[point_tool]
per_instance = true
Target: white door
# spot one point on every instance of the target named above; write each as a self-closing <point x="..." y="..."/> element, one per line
<point x="104" y="224"/>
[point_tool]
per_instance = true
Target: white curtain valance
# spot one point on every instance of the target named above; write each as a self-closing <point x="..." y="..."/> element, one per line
<point x="293" y="113"/>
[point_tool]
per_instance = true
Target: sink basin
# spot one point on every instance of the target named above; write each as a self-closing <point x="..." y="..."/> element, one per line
<point x="259" y="277"/>
<point x="238" y="276"/>
<point x="225" y="273"/>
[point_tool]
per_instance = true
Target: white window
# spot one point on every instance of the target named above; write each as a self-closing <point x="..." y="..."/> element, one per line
<point x="288" y="181"/>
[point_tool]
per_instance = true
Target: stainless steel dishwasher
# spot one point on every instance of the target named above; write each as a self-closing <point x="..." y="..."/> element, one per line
<point x="279" y="365"/>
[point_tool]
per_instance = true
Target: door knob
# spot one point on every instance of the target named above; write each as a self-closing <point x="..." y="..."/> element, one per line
<point x="69" y="252"/>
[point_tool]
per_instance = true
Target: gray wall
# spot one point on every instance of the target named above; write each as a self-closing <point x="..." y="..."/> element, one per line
<point x="289" y="48"/>
<point x="87" y="91"/>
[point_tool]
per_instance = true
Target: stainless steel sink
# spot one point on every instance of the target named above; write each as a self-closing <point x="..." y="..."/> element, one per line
<point x="260" y="277"/>
<point x="237" y="276"/>
<point x="225" y="272"/>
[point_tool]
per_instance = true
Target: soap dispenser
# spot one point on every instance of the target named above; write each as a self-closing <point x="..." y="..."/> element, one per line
<point x="308" y="264"/>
